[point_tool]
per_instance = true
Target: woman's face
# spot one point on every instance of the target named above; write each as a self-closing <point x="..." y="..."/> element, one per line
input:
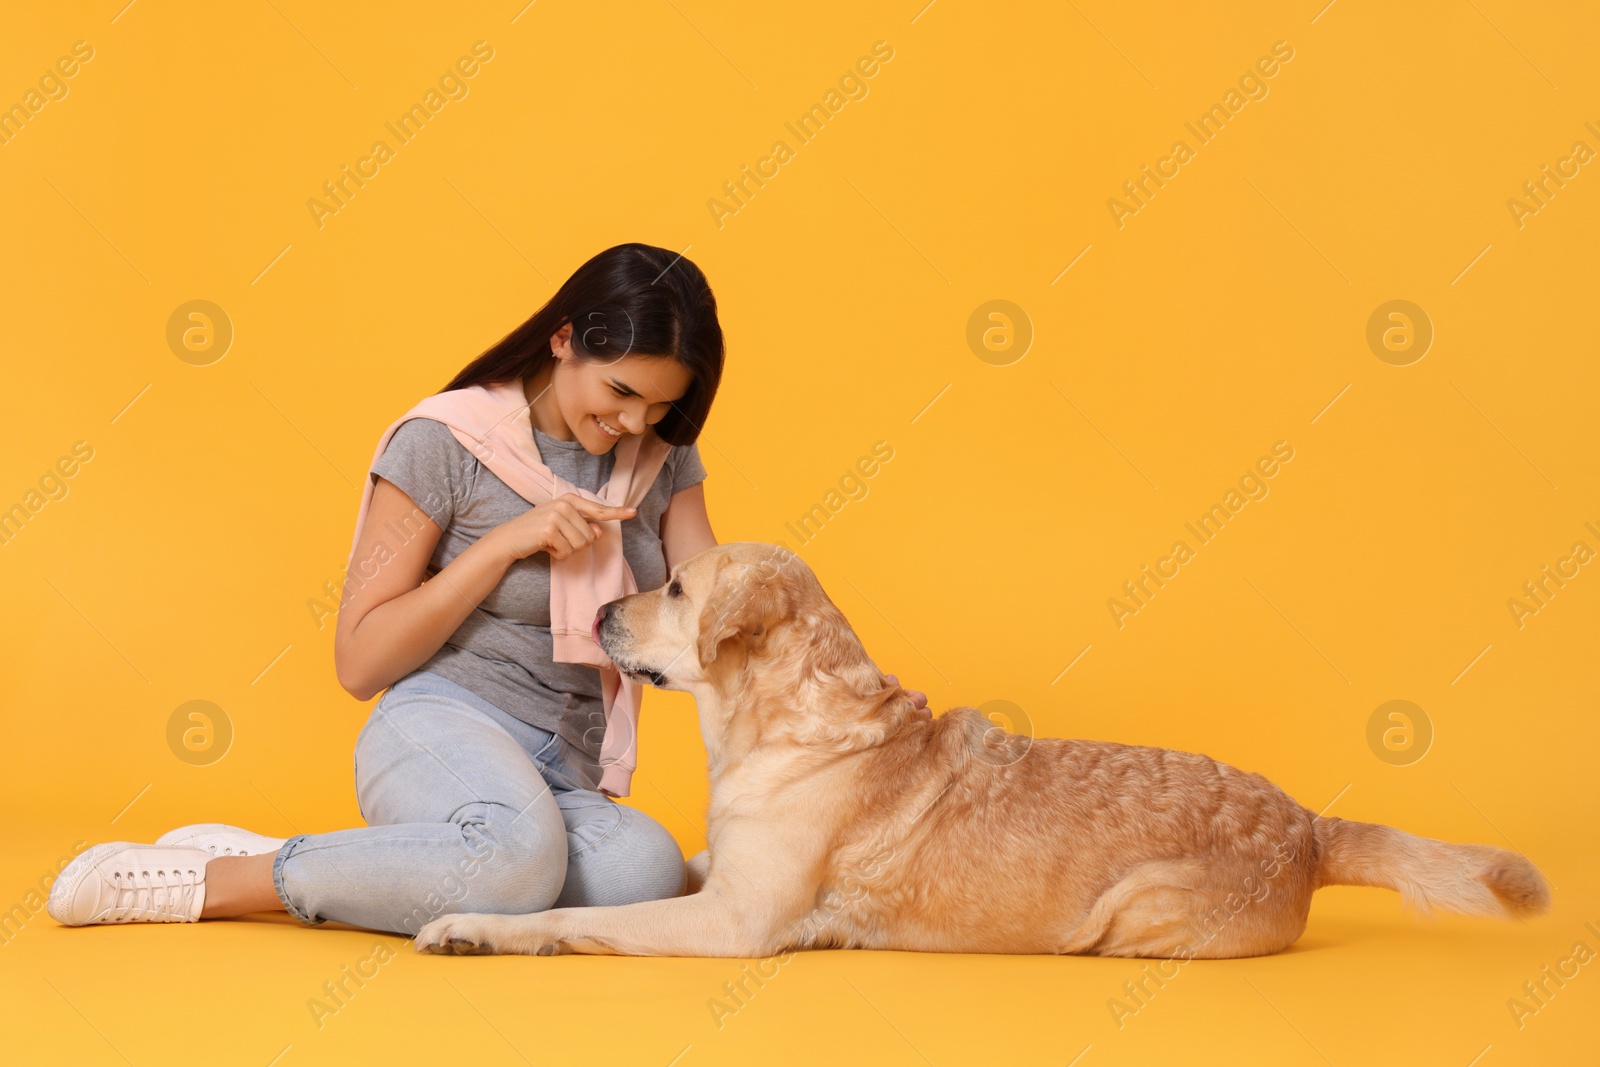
<point x="624" y="395"/>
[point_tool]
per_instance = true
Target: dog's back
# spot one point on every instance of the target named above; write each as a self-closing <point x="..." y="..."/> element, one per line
<point x="963" y="837"/>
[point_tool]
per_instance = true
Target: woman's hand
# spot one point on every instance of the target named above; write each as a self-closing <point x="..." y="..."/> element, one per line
<point x="560" y="527"/>
<point x="919" y="699"/>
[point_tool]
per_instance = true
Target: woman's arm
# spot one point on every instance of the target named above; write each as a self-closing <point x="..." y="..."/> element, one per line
<point x="392" y="622"/>
<point x="685" y="526"/>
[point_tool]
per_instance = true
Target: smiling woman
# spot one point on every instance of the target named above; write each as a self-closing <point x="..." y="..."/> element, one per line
<point x="498" y="740"/>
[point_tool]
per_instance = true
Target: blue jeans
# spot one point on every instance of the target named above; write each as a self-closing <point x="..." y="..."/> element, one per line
<point x="470" y="809"/>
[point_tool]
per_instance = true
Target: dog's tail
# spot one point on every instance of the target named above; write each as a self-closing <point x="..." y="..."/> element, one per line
<point x="1429" y="875"/>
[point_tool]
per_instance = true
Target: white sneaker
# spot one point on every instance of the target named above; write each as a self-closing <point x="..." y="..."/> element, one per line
<point x="121" y="882"/>
<point x="220" y="839"/>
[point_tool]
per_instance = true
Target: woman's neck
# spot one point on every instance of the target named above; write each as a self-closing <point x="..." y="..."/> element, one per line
<point x="543" y="412"/>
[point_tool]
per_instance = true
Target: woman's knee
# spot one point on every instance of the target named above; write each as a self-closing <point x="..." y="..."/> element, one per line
<point x="515" y="861"/>
<point x="664" y="873"/>
<point x="637" y="861"/>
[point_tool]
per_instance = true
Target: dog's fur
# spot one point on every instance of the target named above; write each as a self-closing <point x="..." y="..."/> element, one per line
<point x="840" y="817"/>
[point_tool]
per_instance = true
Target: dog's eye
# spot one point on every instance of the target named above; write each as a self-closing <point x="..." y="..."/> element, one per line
<point x="674" y="589"/>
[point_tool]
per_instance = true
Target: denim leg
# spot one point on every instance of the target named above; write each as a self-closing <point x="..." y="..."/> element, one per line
<point x="616" y="854"/>
<point x="459" y="820"/>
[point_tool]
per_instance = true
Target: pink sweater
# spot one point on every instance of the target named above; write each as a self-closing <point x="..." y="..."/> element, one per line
<point x="491" y="422"/>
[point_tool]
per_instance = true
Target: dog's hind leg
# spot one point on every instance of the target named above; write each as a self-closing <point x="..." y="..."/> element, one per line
<point x="1144" y="898"/>
<point x="1193" y="909"/>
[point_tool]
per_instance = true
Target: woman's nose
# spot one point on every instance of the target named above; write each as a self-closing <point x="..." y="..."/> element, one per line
<point x="632" y="421"/>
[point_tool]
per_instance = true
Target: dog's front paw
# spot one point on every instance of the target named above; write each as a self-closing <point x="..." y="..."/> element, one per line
<point x="458" y="935"/>
<point x="490" y="935"/>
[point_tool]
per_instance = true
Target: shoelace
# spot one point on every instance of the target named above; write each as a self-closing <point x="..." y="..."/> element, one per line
<point x="163" y="893"/>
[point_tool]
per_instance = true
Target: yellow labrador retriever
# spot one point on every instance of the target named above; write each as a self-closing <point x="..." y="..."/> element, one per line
<point x="840" y="817"/>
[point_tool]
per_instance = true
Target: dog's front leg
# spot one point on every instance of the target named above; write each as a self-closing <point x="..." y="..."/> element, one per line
<point x="698" y="867"/>
<point x="704" y="924"/>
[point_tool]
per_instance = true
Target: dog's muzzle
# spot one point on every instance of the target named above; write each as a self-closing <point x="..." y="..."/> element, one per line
<point x="597" y="631"/>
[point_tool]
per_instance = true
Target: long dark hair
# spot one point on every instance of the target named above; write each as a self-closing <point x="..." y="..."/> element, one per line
<point x="632" y="299"/>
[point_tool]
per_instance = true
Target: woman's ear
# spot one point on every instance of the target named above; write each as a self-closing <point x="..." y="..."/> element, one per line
<point x="559" y="340"/>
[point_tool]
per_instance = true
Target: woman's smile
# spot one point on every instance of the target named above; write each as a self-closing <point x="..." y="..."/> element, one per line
<point x="607" y="429"/>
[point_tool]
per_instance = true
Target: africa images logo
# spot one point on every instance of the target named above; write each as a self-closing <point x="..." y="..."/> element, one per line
<point x="1207" y="127"/>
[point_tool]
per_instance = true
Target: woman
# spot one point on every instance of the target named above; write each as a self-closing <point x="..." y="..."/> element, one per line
<point x="478" y="771"/>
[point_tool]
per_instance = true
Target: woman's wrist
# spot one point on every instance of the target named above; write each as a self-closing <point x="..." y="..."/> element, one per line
<point x="497" y="546"/>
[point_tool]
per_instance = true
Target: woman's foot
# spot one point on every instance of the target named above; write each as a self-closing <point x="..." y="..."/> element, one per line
<point x="123" y="882"/>
<point x="220" y="839"/>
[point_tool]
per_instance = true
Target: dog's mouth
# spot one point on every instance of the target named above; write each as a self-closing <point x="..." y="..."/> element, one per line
<point x="649" y="674"/>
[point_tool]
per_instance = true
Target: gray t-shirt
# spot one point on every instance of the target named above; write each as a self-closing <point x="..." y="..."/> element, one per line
<point x="503" y="651"/>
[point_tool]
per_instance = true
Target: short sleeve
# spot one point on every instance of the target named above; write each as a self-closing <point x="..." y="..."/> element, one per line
<point x="689" y="470"/>
<point x="425" y="460"/>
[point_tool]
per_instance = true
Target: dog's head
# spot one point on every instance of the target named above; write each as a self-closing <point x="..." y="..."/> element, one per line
<point x="747" y="627"/>
<point x="716" y="610"/>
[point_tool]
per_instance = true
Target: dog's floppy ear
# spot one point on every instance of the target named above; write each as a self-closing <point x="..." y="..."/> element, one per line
<point x="746" y="611"/>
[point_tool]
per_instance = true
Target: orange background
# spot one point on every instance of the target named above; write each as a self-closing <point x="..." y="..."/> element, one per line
<point x="1167" y="355"/>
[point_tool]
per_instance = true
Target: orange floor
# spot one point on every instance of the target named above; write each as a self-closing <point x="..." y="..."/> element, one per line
<point x="1367" y="984"/>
